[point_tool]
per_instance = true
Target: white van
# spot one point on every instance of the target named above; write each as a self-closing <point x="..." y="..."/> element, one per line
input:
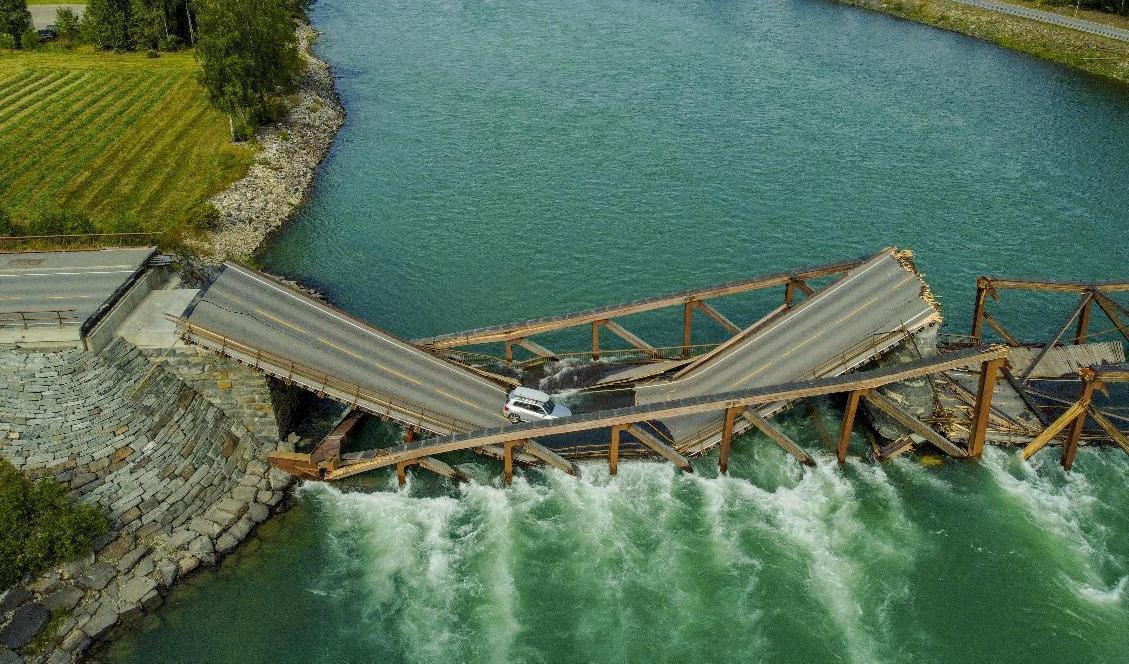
<point x="528" y="405"/>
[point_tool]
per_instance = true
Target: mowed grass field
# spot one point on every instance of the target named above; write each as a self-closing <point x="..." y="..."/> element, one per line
<point x="131" y="141"/>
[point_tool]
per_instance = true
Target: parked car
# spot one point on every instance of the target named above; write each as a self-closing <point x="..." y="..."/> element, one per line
<point x="528" y="405"/>
<point x="48" y="33"/>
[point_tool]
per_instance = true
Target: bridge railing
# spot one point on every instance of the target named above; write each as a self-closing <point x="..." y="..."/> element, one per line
<point x="38" y="318"/>
<point x="322" y="382"/>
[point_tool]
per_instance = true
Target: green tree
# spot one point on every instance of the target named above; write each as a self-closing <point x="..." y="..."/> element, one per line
<point x="248" y="54"/>
<point x="40" y="526"/>
<point x="7" y="41"/>
<point x="15" y="18"/>
<point x="148" y="23"/>
<point x="29" y="41"/>
<point x="106" y="24"/>
<point x="68" y="25"/>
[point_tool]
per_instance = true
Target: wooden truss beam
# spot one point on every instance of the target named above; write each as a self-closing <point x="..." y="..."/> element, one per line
<point x="848" y="423"/>
<point x="986" y="388"/>
<point x="727" y="437"/>
<point x="717" y="317"/>
<point x="1001" y="330"/>
<point x="628" y="336"/>
<point x="778" y="437"/>
<point x="1086" y="298"/>
<point x="329" y="449"/>
<point x="664" y="450"/>
<point x="613" y="449"/>
<point x="1110" y="308"/>
<point x="1084" y="322"/>
<point x="1055" y="286"/>
<point x="536" y="349"/>
<point x="500" y="333"/>
<point x="1111" y="430"/>
<point x="550" y="457"/>
<point x="913" y="424"/>
<point x="1054" y="429"/>
<point x="680" y="407"/>
<point x="1071" y="448"/>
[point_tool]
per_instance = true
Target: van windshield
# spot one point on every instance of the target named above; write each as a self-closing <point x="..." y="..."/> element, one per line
<point x="550" y="406"/>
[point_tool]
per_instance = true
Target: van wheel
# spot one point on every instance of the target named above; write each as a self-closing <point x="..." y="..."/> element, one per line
<point x="515" y="418"/>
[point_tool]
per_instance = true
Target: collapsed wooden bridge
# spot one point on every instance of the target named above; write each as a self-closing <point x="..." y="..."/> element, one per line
<point x="688" y="398"/>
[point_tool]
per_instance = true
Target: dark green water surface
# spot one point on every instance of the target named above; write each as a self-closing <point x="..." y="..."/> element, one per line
<point x="508" y="159"/>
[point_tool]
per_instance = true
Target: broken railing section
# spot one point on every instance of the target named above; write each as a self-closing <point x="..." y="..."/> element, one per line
<point x="604" y="318"/>
<point x="1089" y="293"/>
<point x="1073" y="420"/>
<point x="635" y="420"/>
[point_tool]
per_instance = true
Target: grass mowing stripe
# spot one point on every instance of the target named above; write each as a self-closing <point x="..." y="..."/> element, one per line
<point x="146" y="148"/>
<point x="132" y="136"/>
<point x="15" y="81"/>
<point x="87" y="164"/>
<point x="160" y="180"/>
<point x="31" y="101"/>
<point x="43" y="77"/>
<point x="88" y="121"/>
<point x="43" y="102"/>
<point x="20" y="96"/>
<point x="128" y="138"/>
<point x="50" y="167"/>
<point x="17" y="143"/>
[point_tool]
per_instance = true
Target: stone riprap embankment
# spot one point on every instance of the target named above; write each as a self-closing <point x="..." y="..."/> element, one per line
<point x="169" y="446"/>
<point x="262" y="201"/>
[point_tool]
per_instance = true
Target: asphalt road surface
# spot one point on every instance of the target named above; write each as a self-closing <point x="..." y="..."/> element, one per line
<point x="251" y="308"/>
<point x="65" y="280"/>
<point x="872" y="300"/>
<point x="1091" y="27"/>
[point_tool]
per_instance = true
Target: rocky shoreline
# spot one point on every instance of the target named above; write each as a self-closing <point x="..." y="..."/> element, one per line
<point x="259" y="205"/>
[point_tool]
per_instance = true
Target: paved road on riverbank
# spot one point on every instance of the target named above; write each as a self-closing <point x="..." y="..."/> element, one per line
<point x="77" y="282"/>
<point x="1090" y="27"/>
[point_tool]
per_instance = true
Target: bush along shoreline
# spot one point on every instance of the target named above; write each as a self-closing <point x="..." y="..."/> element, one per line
<point x="1098" y="56"/>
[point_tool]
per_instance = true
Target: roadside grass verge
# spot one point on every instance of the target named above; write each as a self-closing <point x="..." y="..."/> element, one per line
<point x="130" y="141"/>
<point x="1100" y="56"/>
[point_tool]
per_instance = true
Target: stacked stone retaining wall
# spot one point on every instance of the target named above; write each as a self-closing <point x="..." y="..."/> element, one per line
<point x="171" y="462"/>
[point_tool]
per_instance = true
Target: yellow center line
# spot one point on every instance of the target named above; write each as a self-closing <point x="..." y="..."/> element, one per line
<point x="378" y="365"/>
<point x="280" y="321"/>
<point x="462" y="401"/>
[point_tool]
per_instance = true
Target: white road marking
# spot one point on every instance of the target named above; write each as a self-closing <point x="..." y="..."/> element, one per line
<point x="411" y="349"/>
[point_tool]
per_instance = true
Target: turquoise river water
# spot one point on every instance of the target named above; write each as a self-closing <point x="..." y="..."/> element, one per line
<point x="505" y="159"/>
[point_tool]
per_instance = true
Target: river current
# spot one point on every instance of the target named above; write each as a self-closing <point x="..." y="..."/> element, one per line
<point x="507" y="159"/>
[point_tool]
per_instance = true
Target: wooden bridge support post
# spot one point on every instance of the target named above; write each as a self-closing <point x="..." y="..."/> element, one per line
<point x="613" y="450"/>
<point x="979" y="426"/>
<point x="687" y="327"/>
<point x="1071" y="446"/>
<point x="1084" y="322"/>
<point x="508" y="462"/>
<point x="596" y="340"/>
<point x="509" y="351"/>
<point x="402" y="473"/>
<point x="848" y="424"/>
<point x="727" y="437"/>
<point x="982" y="286"/>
